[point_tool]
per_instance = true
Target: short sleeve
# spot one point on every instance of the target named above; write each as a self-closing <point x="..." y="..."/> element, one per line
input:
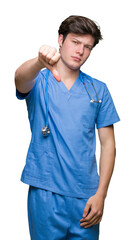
<point x="28" y="96"/>
<point x="22" y="96"/>
<point x="107" y="114"/>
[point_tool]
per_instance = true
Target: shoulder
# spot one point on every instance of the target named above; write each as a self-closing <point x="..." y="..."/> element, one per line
<point x="98" y="84"/>
<point x="92" y="79"/>
<point x="41" y="77"/>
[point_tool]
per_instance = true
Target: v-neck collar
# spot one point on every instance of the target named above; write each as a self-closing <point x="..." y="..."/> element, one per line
<point x="74" y="86"/>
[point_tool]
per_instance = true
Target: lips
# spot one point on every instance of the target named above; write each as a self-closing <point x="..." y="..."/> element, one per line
<point x="77" y="59"/>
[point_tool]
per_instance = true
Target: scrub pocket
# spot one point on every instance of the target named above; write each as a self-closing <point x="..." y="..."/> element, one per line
<point x="38" y="162"/>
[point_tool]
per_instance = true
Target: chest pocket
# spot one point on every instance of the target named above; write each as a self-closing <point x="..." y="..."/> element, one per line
<point x="83" y="113"/>
<point x="89" y="114"/>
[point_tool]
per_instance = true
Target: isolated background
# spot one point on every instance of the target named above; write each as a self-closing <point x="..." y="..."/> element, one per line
<point x="25" y="26"/>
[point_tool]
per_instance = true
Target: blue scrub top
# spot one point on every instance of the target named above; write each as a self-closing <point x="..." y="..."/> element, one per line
<point x="65" y="161"/>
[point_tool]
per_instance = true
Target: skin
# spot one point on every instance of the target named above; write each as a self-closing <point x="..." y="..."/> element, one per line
<point x="107" y="158"/>
<point x="65" y="66"/>
<point x="62" y="65"/>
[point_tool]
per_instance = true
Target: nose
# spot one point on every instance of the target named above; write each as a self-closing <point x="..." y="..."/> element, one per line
<point x="80" y="49"/>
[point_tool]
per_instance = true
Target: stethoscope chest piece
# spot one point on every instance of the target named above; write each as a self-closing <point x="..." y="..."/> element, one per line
<point x="45" y="131"/>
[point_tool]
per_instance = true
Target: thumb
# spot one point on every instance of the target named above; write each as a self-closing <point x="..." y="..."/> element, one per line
<point x="86" y="210"/>
<point x="54" y="71"/>
<point x="56" y="74"/>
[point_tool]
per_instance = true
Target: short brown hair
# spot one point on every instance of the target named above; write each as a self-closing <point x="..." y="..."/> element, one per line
<point x="80" y="25"/>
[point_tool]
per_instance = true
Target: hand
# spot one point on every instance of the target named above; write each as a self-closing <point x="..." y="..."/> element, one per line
<point x="95" y="204"/>
<point x="49" y="56"/>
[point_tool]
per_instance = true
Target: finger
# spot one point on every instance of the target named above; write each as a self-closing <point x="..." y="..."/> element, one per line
<point x="86" y="210"/>
<point x="93" y="223"/>
<point x="45" y="54"/>
<point x="51" y="53"/>
<point x="44" y="50"/>
<point x="55" y="58"/>
<point x="88" y="217"/>
<point x="89" y="224"/>
<point x="92" y="219"/>
<point x="42" y="56"/>
<point x="49" y="56"/>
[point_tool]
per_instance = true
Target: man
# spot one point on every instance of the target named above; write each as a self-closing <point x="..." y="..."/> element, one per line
<point x="66" y="195"/>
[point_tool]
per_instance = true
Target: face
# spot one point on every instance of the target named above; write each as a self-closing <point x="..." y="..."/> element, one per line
<point x="75" y="50"/>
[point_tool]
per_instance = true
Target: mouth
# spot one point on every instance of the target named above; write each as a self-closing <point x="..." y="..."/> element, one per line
<point x="77" y="59"/>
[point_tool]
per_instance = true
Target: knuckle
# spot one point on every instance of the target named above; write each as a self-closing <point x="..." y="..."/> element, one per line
<point x="51" y="62"/>
<point x="94" y="211"/>
<point x="87" y="204"/>
<point x="54" y="49"/>
<point x="40" y="51"/>
<point x="48" y="57"/>
<point x="99" y="213"/>
<point x="48" y="54"/>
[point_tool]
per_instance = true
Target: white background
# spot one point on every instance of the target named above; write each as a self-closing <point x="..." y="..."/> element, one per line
<point x="25" y="26"/>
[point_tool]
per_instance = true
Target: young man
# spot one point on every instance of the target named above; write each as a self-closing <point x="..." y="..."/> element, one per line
<point x="66" y="195"/>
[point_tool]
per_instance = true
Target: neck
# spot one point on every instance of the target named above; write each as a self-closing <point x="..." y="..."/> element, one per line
<point x="66" y="73"/>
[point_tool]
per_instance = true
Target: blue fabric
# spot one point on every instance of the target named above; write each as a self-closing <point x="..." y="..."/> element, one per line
<point x="56" y="217"/>
<point x="65" y="161"/>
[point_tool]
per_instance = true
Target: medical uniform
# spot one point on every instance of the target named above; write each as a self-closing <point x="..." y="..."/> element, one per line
<point x="61" y="168"/>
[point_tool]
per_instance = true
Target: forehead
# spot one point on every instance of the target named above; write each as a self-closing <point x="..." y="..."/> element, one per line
<point x="83" y="38"/>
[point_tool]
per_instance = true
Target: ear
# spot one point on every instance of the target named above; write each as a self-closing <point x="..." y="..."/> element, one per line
<point x="60" y="40"/>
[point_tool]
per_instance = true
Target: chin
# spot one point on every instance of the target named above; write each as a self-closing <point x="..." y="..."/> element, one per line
<point x="74" y="67"/>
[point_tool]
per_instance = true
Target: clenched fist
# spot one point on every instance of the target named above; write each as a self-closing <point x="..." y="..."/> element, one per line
<point x="49" y="56"/>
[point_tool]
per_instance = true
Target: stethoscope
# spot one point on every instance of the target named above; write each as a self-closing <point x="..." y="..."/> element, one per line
<point x="46" y="130"/>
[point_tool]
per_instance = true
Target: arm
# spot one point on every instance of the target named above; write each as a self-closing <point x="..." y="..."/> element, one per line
<point x="107" y="158"/>
<point x="25" y="75"/>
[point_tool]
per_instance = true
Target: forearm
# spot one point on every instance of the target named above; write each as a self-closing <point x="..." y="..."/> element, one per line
<point x="93" y="210"/>
<point x="25" y="75"/>
<point x="107" y="160"/>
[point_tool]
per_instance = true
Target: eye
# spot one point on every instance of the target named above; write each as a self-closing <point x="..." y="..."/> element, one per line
<point x="88" y="47"/>
<point x="75" y="42"/>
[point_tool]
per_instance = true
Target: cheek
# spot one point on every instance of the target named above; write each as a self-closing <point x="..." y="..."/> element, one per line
<point x="86" y="55"/>
<point x="66" y="51"/>
<point x="69" y="48"/>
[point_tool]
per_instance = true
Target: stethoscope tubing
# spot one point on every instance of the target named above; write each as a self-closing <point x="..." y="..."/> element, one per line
<point x="46" y="130"/>
<point x="92" y="100"/>
<point x="46" y="94"/>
